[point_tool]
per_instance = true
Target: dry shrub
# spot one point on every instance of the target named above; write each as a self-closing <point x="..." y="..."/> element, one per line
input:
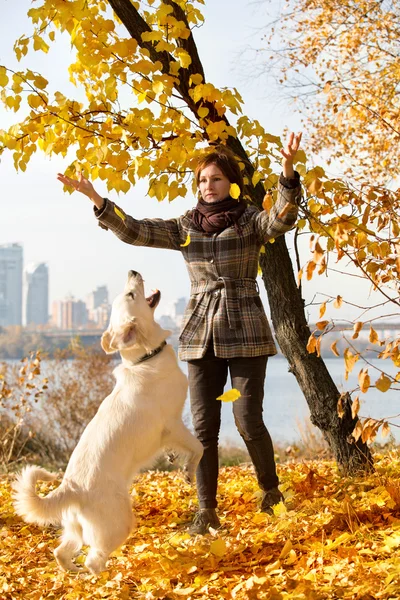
<point x="42" y="419"/>
<point x="312" y="443"/>
<point x="21" y="388"/>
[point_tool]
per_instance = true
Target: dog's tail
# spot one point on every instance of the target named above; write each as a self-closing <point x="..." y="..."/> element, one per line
<point x="34" y="508"/>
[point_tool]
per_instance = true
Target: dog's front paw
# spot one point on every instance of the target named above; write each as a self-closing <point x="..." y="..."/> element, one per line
<point x="188" y="475"/>
<point x="171" y="456"/>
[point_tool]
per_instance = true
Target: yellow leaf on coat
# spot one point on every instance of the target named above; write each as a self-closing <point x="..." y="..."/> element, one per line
<point x="187" y="242"/>
<point x="119" y="213"/>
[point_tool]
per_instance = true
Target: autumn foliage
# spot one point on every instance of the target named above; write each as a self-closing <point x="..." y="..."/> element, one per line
<point x="334" y="538"/>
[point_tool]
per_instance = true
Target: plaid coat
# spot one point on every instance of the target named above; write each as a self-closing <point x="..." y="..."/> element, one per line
<point x="224" y="304"/>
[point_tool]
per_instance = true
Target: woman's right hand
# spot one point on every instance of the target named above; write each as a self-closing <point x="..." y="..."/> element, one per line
<point x="84" y="186"/>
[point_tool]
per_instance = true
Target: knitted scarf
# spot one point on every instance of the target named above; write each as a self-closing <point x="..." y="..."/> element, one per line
<point x="214" y="217"/>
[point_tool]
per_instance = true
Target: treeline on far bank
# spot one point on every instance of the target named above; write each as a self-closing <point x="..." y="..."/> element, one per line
<point x="17" y="342"/>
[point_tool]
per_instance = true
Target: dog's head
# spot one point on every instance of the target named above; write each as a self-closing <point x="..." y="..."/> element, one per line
<point x="132" y="318"/>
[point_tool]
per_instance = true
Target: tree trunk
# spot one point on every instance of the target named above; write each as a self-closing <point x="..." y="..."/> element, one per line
<point x="292" y="333"/>
<point x="286" y="304"/>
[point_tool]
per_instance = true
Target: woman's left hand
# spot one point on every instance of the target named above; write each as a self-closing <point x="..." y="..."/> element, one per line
<point x="289" y="152"/>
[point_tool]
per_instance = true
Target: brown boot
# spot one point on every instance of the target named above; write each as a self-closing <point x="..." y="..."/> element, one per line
<point x="269" y="499"/>
<point x="203" y="520"/>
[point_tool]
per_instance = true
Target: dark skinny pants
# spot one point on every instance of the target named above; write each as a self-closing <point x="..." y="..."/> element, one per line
<point x="207" y="378"/>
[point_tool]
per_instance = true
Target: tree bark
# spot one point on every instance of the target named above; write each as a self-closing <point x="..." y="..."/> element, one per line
<point x="292" y="333"/>
<point x="286" y="303"/>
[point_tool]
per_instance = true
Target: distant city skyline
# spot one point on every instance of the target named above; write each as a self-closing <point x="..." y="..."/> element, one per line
<point x="11" y="269"/>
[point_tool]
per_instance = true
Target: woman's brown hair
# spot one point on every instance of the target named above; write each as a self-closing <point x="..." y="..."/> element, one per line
<point x="226" y="161"/>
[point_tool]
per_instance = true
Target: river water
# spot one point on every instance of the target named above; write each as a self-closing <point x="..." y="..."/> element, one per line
<point x="286" y="411"/>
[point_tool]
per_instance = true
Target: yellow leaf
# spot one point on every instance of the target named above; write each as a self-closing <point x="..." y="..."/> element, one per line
<point x="334" y="349"/>
<point x="364" y="380"/>
<point x="257" y="176"/>
<point x="340" y="407"/>
<point x="357" y="328"/>
<point x="338" y="302"/>
<point x="267" y="202"/>
<point x="385" y="429"/>
<point x="187" y="242"/>
<point x="373" y="336"/>
<point x="3" y="77"/>
<point x="203" y="112"/>
<point x="183" y="57"/>
<point x="195" y="79"/>
<point x="119" y="213"/>
<point x="279" y="509"/>
<point x="234" y="191"/>
<point x="350" y="360"/>
<point x="312" y="344"/>
<point x="286" y="549"/>
<point x="310" y="269"/>
<point x="177" y="539"/>
<point x="230" y="396"/>
<point x="321" y="325"/>
<point x="355" y="407"/>
<point x="322" y="310"/>
<point x="383" y="383"/>
<point x="291" y="558"/>
<point x="218" y="547"/>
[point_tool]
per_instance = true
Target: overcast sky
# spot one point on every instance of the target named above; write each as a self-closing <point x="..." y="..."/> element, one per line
<point x="60" y="229"/>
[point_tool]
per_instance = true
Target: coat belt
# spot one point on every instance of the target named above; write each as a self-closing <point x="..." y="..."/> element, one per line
<point x="232" y="300"/>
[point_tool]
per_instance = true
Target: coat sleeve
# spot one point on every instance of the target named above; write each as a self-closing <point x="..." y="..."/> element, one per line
<point x="154" y="233"/>
<point x="283" y="214"/>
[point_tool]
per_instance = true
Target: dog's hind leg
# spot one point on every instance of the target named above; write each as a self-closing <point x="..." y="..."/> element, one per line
<point x="106" y="528"/>
<point x="71" y="543"/>
<point x="179" y="436"/>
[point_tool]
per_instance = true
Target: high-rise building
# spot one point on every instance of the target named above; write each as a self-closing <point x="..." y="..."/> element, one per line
<point x="36" y="294"/>
<point x="179" y="310"/>
<point x="11" y="261"/>
<point x="69" y="313"/>
<point x="98" y="307"/>
<point x="97" y="298"/>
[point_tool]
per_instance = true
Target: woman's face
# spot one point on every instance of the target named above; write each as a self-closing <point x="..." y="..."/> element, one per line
<point x="213" y="184"/>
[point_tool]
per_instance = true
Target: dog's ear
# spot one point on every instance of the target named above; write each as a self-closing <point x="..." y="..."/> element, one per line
<point x="112" y="341"/>
<point x="108" y="341"/>
<point x="127" y="338"/>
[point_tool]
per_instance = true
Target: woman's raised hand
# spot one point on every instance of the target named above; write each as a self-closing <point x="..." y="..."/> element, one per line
<point x="84" y="186"/>
<point x="289" y="152"/>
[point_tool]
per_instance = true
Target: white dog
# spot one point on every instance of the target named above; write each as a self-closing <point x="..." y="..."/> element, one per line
<point x="142" y="415"/>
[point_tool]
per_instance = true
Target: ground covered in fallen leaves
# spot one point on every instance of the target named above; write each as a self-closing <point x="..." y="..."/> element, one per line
<point x="334" y="538"/>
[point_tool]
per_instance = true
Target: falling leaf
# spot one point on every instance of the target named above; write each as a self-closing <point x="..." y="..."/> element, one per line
<point x="234" y="191"/>
<point x="230" y="396"/>
<point x="187" y="242"/>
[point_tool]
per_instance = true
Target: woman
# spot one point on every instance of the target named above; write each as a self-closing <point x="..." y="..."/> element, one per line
<point x="224" y="327"/>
